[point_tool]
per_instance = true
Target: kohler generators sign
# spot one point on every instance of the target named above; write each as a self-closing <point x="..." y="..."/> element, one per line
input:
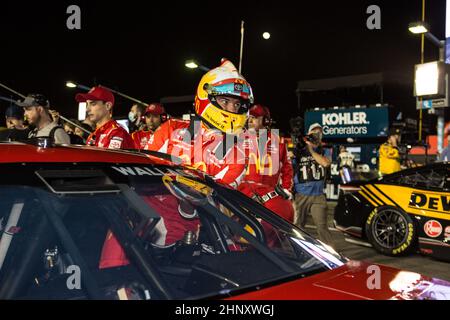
<point x="345" y="123"/>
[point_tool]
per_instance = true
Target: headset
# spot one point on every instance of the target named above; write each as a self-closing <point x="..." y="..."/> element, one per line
<point x="267" y="119"/>
<point x="163" y="116"/>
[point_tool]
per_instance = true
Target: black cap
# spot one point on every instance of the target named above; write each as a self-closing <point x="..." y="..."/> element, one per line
<point x="34" y="100"/>
<point x="14" y="111"/>
<point x="395" y="131"/>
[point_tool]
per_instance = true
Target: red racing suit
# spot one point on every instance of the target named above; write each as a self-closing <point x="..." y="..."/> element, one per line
<point x="112" y="136"/>
<point x="202" y="149"/>
<point x="141" y="138"/>
<point x="167" y="205"/>
<point x="269" y="165"/>
<point x="199" y="148"/>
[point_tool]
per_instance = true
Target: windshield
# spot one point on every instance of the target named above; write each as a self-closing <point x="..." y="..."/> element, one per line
<point x="143" y="232"/>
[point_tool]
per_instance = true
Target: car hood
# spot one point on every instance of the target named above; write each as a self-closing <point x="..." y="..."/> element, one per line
<point x="355" y="281"/>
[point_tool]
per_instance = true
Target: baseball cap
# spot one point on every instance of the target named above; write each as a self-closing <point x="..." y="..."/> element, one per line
<point x="395" y="131"/>
<point x="34" y="100"/>
<point x="314" y="126"/>
<point x="96" y="94"/>
<point x="15" y="112"/>
<point x="155" y="109"/>
<point x="259" y="110"/>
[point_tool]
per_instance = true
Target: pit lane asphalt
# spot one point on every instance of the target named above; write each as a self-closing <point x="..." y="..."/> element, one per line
<point x="414" y="262"/>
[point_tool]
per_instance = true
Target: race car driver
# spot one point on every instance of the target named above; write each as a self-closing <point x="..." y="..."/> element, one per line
<point x="221" y="105"/>
<point x="108" y="134"/>
<point x="154" y="115"/>
<point x="389" y="160"/>
<point x="269" y="164"/>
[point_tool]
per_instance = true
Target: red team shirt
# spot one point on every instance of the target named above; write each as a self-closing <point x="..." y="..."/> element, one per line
<point x="141" y="138"/>
<point x="112" y="136"/>
<point x="268" y="165"/>
<point x="200" y="152"/>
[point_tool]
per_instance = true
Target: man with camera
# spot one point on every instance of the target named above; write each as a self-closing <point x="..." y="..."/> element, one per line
<point x="310" y="166"/>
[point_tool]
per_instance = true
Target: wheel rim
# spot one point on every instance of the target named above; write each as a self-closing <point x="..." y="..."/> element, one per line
<point x="390" y="229"/>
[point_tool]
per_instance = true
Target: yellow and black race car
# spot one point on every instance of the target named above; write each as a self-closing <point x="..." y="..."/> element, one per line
<point x="401" y="212"/>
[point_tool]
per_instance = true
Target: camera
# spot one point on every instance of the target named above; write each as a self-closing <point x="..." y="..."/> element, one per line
<point x="297" y="134"/>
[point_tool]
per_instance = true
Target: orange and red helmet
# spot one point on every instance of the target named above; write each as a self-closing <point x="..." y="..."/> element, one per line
<point x="224" y="80"/>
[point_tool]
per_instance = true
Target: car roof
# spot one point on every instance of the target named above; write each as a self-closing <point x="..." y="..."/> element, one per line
<point x="14" y="152"/>
<point x="388" y="177"/>
<point x="434" y="165"/>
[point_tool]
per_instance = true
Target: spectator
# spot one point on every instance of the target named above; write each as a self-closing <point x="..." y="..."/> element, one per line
<point x="345" y="164"/>
<point x="345" y="158"/>
<point x="36" y="107"/>
<point x="55" y="117"/>
<point x="90" y="123"/>
<point x="84" y="135"/>
<point x="445" y="154"/>
<point x="68" y="127"/>
<point x="15" y="118"/>
<point x="15" y="124"/>
<point x="136" y="117"/>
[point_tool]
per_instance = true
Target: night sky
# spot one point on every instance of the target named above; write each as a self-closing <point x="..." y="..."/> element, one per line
<point x="139" y="47"/>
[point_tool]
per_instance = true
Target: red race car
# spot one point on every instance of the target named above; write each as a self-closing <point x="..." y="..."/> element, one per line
<point x="87" y="223"/>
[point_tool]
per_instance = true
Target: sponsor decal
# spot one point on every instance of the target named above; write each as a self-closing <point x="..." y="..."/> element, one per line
<point x="141" y="171"/>
<point x="355" y="121"/>
<point x="447" y="233"/>
<point x="405" y="246"/>
<point x="263" y="164"/>
<point x="238" y="87"/>
<point x="432" y="228"/>
<point x="344" y="131"/>
<point x="344" y="118"/>
<point x="144" y="142"/>
<point x="363" y="122"/>
<point x="433" y="203"/>
<point x="115" y="144"/>
<point x="100" y="140"/>
<point x="371" y="215"/>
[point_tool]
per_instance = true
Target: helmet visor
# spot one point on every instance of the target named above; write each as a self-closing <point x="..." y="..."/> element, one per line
<point x="241" y="90"/>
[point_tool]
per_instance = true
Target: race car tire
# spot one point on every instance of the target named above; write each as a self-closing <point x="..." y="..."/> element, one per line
<point x="391" y="231"/>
